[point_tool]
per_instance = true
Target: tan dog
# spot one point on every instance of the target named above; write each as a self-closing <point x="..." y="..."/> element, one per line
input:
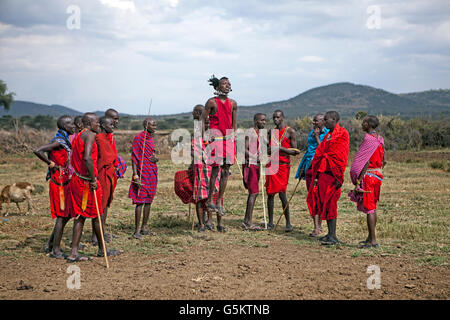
<point x="18" y="192"/>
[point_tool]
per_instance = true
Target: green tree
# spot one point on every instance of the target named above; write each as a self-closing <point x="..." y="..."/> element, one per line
<point x="6" y="99"/>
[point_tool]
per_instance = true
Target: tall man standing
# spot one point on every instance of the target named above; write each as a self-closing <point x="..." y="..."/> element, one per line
<point x="252" y="171"/>
<point x="277" y="180"/>
<point x="328" y="168"/>
<point x="304" y="169"/>
<point x="106" y="164"/>
<point x="59" y="174"/>
<point x="81" y="200"/>
<point x="222" y="113"/>
<point x="145" y="176"/>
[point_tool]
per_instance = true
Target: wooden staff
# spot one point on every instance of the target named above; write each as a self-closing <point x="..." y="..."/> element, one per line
<point x="101" y="230"/>
<point x="143" y="148"/>
<point x="193" y="217"/>
<point x="287" y="205"/>
<point x="262" y="191"/>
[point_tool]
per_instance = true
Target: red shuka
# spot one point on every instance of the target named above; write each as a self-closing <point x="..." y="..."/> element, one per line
<point x="77" y="185"/>
<point x="277" y="181"/>
<point x="331" y="157"/>
<point x="106" y="164"/>
<point x="59" y="157"/>
<point x="222" y="121"/>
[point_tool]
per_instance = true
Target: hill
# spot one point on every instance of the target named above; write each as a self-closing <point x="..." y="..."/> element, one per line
<point x="344" y="97"/>
<point x="24" y="108"/>
<point x="348" y="98"/>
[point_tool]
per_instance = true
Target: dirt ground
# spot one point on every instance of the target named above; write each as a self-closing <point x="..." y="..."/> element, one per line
<point x="182" y="264"/>
<point x="278" y="271"/>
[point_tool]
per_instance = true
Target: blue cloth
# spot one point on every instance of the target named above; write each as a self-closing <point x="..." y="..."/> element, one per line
<point x="309" y="155"/>
<point x="121" y="167"/>
<point x="63" y="138"/>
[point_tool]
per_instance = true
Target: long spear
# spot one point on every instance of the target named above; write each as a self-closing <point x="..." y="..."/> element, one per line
<point x="143" y="148"/>
<point x="287" y="205"/>
<point x="101" y="229"/>
<point x="262" y="191"/>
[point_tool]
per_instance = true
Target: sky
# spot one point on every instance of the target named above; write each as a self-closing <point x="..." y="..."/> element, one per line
<point x="94" y="54"/>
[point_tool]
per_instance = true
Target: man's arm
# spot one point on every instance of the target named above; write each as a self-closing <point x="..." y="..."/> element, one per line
<point x="293" y="139"/>
<point x="209" y="106"/>
<point x="234" y="115"/>
<point x="89" y="138"/>
<point x="40" y="152"/>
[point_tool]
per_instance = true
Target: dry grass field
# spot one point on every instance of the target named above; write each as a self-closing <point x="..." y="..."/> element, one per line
<point x="177" y="263"/>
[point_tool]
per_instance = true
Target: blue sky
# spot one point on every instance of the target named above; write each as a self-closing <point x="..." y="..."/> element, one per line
<point x="128" y="52"/>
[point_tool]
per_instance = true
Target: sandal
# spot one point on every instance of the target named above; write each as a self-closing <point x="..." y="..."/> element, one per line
<point x="137" y="236"/>
<point x="289" y="229"/>
<point x="79" y="258"/>
<point x="109" y="253"/>
<point x="221" y="229"/>
<point x="209" y="226"/>
<point x="325" y="238"/>
<point x="148" y="232"/>
<point x="368" y="245"/>
<point x="314" y="234"/>
<point x="58" y="256"/>
<point x="330" y="242"/>
<point x="252" y="227"/>
<point x="270" y="226"/>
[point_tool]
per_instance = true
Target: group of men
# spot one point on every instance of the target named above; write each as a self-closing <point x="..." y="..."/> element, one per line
<point x="83" y="168"/>
<point x="323" y="166"/>
<point x="82" y="172"/>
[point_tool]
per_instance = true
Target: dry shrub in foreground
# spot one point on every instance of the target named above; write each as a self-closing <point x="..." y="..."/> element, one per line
<point x="23" y="140"/>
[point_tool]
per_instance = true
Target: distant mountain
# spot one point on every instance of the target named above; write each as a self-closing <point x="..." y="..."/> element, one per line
<point x="348" y="98"/>
<point x="25" y="108"/>
<point x="344" y="97"/>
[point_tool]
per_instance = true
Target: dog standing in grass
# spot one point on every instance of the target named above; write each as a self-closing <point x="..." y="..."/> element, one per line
<point x="17" y="192"/>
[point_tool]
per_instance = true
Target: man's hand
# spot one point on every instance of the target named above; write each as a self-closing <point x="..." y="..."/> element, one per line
<point x="154" y="159"/>
<point x="338" y="184"/>
<point x="317" y="132"/>
<point x="93" y="185"/>
<point x="136" y="180"/>
<point x="301" y="174"/>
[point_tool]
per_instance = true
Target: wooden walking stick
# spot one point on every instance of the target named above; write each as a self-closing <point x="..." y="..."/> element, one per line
<point x="193" y="217"/>
<point x="101" y="230"/>
<point x="262" y="191"/>
<point x="143" y="148"/>
<point x="287" y="205"/>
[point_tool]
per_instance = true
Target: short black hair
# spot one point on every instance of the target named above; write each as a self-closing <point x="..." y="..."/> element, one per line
<point x="86" y="119"/>
<point x="110" y="110"/>
<point x="255" y="117"/>
<point x="278" y="110"/>
<point x="105" y="118"/>
<point x="372" y="121"/>
<point x="61" y="120"/>
<point x="77" y="118"/>
<point x="334" y="115"/>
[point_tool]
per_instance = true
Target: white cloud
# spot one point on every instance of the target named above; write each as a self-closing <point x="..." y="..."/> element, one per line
<point x="167" y="49"/>
<point x="311" y="59"/>
<point x="119" y="4"/>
